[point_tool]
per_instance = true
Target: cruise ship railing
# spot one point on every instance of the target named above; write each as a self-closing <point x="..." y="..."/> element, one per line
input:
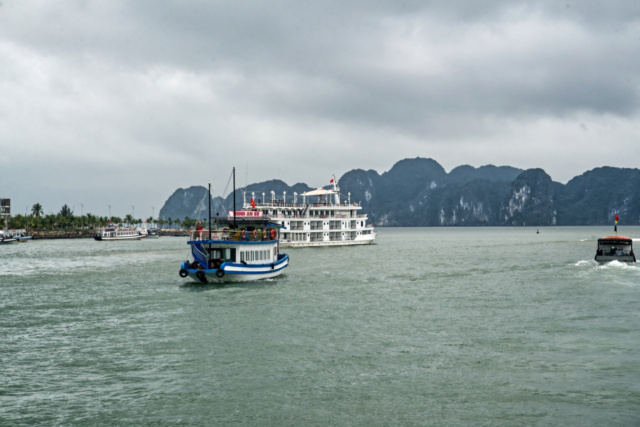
<point x="331" y="239"/>
<point x="281" y="204"/>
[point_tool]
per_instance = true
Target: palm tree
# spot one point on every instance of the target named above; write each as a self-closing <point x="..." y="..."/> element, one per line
<point x="66" y="211"/>
<point x="37" y="210"/>
<point x="129" y="219"/>
<point x="91" y="219"/>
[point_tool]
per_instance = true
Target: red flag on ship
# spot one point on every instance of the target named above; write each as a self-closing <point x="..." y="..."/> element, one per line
<point x="617" y="218"/>
<point x="331" y="182"/>
<point x="253" y="204"/>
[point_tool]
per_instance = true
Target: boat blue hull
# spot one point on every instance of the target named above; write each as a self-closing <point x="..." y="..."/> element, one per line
<point x="236" y="272"/>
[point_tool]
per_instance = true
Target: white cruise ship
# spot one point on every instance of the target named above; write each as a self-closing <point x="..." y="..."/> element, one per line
<point x="320" y="220"/>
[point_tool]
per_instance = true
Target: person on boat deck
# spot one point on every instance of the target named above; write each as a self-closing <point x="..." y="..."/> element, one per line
<point x="198" y="226"/>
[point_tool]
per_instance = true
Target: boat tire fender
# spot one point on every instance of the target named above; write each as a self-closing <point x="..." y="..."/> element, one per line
<point x="201" y="276"/>
<point x="272" y="266"/>
<point x="183" y="273"/>
<point x="220" y="273"/>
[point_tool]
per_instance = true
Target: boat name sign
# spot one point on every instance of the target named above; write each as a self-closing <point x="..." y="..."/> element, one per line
<point x="246" y="214"/>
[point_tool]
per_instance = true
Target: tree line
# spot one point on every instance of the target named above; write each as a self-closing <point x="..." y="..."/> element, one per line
<point x="65" y="219"/>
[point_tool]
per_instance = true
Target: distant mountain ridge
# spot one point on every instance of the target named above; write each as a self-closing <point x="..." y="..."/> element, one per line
<point x="419" y="192"/>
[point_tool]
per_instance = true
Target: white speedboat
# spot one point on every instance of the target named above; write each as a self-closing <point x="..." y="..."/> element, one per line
<point x="243" y="247"/>
<point x="20" y="235"/>
<point x="6" y="238"/>
<point x="322" y="219"/>
<point x="117" y="233"/>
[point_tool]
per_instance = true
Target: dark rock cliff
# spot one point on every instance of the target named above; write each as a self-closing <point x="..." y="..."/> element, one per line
<point x="419" y="192"/>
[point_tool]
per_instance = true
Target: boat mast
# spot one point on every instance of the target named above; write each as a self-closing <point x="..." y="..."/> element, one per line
<point x="234" y="197"/>
<point x="209" y="254"/>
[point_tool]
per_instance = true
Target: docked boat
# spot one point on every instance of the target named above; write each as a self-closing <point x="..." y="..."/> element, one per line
<point x="242" y="247"/>
<point x="152" y="233"/>
<point x="322" y="219"/>
<point x="20" y="235"/>
<point x="117" y="233"/>
<point x="615" y="248"/>
<point x="6" y="238"/>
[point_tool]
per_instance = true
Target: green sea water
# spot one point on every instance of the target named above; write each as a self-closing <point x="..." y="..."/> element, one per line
<point x="429" y="326"/>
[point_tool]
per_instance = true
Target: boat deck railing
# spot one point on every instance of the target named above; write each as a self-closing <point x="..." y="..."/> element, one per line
<point x="321" y="239"/>
<point x="283" y="204"/>
<point x="317" y="216"/>
<point x="234" y="235"/>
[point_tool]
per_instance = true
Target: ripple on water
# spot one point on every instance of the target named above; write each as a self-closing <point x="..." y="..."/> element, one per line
<point x="428" y="326"/>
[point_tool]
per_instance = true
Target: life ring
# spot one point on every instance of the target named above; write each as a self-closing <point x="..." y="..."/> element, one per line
<point x="273" y="233"/>
<point x="244" y="233"/>
<point x="220" y="273"/>
<point x="255" y="234"/>
<point x="183" y="273"/>
<point x="201" y="276"/>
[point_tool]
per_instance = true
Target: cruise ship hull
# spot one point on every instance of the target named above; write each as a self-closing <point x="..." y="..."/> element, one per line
<point x="303" y="244"/>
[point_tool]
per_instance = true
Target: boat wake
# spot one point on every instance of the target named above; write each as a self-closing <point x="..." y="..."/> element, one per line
<point x="619" y="265"/>
<point x="611" y="265"/>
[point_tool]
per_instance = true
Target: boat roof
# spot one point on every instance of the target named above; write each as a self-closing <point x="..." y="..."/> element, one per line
<point x="319" y="192"/>
<point x="616" y="239"/>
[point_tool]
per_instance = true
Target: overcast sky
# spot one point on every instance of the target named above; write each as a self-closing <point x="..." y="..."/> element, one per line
<point x="120" y="103"/>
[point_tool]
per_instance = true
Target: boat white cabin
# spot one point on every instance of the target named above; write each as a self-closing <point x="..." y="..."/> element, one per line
<point x="615" y="248"/>
<point x="321" y="219"/>
<point x="152" y="233"/>
<point x="117" y="233"/>
<point x="242" y="248"/>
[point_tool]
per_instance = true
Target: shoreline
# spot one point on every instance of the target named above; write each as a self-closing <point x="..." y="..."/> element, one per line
<point x="88" y="234"/>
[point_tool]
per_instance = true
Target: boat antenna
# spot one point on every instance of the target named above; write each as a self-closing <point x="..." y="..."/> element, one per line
<point x="234" y="197"/>
<point x="209" y="237"/>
